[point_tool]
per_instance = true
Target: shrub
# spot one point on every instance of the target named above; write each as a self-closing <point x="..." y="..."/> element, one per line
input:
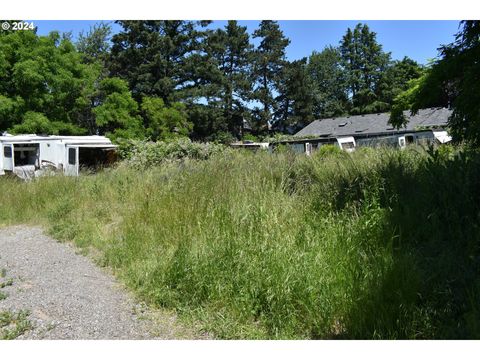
<point x="142" y="154"/>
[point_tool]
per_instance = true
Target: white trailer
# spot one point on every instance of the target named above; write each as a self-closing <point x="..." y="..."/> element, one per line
<point x="28" y="156"/>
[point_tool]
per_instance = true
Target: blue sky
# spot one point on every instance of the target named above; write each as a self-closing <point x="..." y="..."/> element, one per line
<point x="417" y="39"/>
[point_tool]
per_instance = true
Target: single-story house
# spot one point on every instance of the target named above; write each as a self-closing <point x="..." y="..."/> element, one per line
<point x="426" y="127"/>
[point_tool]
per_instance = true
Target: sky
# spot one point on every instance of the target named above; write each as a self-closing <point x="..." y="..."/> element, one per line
<point x="417" y="39"/>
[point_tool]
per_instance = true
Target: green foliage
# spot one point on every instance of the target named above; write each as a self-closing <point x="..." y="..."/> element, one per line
<point x="269" y="59"/>
<point x="165" y="122"/>
<point x="12" y="325"/>
<point x="453" y="81"/>
<point x="397" y="77"/>
<point x="405" y="100"/>
<point x="228" y="85"/>
<point x="218" y="76"/>
<point x="152" y="56"/>
<point x="296" y="99"/>
<point x="41" y="74"/>
<point x="142" y="154"/>
<point x="36" y="123"/>
<point x="364" y="62"/>
<point x="250" y="137"/>
<point x="328" y="150"/>
<point x="117" y="116"/>
<point x="329" y="83"/>
<point x="223" y="137"/>
<point x="95" y="45"/>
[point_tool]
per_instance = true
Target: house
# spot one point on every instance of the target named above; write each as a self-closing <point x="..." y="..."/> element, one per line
<point x="29" y="156"/>
<point x="426" y="127"/>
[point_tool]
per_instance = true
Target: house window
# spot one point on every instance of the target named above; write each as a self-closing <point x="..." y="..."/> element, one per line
<point x="7" y="151"/>
<point x="348" y="145"/>
<point x="72" y="156"/>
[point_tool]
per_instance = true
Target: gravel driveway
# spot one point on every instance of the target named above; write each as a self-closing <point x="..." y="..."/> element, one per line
<point x="68" y="296"/>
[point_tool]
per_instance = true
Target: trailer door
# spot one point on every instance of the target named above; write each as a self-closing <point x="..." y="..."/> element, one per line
<point x="71" y="167"/>
<point x="8" y="158"/>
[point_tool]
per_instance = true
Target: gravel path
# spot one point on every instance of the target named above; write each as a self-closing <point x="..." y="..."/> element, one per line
<point x="68" y="297"/>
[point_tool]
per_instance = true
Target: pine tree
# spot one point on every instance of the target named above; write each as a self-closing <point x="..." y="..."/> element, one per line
<point x="269" y="59"/>
<point x="364" y="62"/>
<point x="296" y="96"/>
<point x="151" y="56"/>
<point x="236" y="68"/>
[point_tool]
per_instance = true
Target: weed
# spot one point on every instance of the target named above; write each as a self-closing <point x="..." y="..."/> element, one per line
<point x="12" y="325"/>
<point x="3" y="284"/>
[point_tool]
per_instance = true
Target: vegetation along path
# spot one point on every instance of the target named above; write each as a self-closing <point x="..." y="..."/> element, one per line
<point x="65" y="296"/>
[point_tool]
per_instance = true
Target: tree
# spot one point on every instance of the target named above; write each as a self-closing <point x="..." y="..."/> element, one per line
<point x="165" y="122"/>
<point x="95" y="45"/>
<point x="269" y="59"/>
<point x="296" y="96"/>
<point x="152" y="57"/>
<point x="36" y="123"/>
<point x="329" y="83"/>
<point x="42" y="75"/>
<point x="396" y="79"/>
<point x="117" y="116"/>
<point x="236" y="69"/>
<point x="364" y="62"/>
<point x="227" y="86"/>
<point x="454" y="80"/>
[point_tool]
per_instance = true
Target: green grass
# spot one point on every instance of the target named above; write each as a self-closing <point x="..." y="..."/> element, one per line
<point x="378" y="244"/>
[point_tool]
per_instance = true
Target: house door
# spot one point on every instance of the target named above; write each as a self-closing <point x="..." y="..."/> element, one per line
<point x="71" y="167"/>
<point x="8" y="159"/>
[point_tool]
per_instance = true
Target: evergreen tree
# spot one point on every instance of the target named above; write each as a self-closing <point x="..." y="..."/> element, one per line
<point x="151" y="56"/>
<point x="236" y="69"/>
<point x="230" y="52"/>
<point x="364" y="62"/>
<point x="269" y="60"/>
<point x="329" y="83"/>
<point x="296" y="96"/>
<point x="395" y="79"/>
<point x="95" y="44"/>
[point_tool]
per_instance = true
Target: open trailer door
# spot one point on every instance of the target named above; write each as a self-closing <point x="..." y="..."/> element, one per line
<point x="8" y="158"/>
<point x="71" y="166"/>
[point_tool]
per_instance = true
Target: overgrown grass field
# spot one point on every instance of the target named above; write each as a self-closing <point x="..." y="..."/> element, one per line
<point x="379" y="244"/>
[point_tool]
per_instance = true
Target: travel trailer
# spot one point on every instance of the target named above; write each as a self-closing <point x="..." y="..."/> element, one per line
<point x="29" y="156"/>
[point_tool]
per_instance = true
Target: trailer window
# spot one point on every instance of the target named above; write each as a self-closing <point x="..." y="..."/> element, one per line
<point x="71" y="156"/>
<point x="7" y="151"/>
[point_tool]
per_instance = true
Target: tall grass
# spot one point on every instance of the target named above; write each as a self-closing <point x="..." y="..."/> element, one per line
<point x="377" y="244"/>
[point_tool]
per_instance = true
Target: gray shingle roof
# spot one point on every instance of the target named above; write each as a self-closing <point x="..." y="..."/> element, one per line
<point x="370" y="124"/>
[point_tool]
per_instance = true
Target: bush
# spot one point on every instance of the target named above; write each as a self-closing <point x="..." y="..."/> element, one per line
<point x="328" y="150"/>
<point x="143" y="154"/>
